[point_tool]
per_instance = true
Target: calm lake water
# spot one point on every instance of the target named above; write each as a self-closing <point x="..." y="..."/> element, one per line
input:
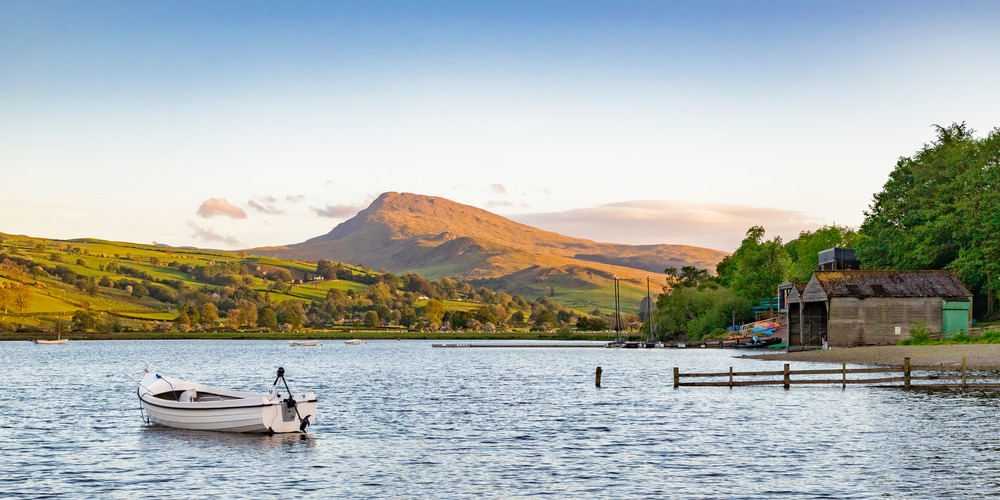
<point x="403" y="419"/>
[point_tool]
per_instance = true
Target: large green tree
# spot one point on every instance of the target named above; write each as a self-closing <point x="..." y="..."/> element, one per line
<point x="757" y="267"/>
<point x="940" y="210"/>
<point x="804" y="250"/>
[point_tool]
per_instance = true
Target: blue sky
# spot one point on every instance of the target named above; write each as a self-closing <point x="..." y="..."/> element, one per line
<point x="239" y="124"/>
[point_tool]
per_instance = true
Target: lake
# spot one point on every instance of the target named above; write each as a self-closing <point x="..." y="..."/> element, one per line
<point x="403" y="419"/>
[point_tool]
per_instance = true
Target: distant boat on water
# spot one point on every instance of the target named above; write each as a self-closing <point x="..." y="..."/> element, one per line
<point x="302" y="343"/>
<point x="353" y="342"/>
<point x="58" y="340"/>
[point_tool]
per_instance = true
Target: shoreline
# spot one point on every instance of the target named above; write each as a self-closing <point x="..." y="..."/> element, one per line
<point x="322" y="335"/>
<point x="977" y="356"/>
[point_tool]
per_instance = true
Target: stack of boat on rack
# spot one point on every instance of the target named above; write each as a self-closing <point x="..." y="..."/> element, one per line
<point x="756" y="335"/>
<point x="188" y="405"/>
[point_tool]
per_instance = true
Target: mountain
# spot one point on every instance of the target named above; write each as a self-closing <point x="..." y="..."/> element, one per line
<point x="437" y="237"/>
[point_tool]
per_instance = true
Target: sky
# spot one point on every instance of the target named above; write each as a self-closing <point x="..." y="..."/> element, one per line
<point x="243" y="124"/>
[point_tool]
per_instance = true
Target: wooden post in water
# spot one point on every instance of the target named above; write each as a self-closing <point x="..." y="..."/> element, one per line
<point x="844" y="386"/>
<point x="677" y="377"/>
<point x="963" y="374"/>
<point x="730" y="377"/>
<point x="906" y="373"/>
<point x="788" y="382"/>
<point x="597" y="380"/>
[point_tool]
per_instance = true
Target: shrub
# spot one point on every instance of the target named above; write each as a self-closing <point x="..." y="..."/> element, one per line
<point x="961" y="338"/>
<point x="990" y="337"/>
<point x="919" y="335"/>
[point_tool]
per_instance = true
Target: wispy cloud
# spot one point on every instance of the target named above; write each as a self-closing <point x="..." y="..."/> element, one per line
<point x="715" y="225"/>
<point x="219" y="206"/>
<point x="295" y="198"/>
<point x="268" y="209"/>
<point x="208" y="235"/>
<point x="498" y="188"/>
<point x="337" y="211"/>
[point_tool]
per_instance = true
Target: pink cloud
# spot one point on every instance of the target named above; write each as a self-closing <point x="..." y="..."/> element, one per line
<point x="264" y="209"/>
<point x="219" y="206"/>
<point x="208" y="235"/>
<point x="337" y="211"/>
<point x="710" y="225"/>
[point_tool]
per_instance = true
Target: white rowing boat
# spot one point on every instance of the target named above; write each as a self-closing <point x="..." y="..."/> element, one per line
<point x="353" y="342"/>
<point x="302" y="343"/>
<point x="188" y="405"/>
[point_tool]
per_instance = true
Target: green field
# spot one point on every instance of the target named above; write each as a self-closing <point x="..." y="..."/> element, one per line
<point x="113" y="283"/>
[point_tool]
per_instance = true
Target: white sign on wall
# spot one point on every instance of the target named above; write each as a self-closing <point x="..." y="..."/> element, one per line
<point x="899" y="330"/>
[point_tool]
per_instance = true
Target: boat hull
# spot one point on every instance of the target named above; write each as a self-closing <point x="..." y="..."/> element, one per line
<point x="759" y="344"/>
<point x="62" y="341"/>
<point x="223" y="410"/>
<point x="302" y="343"/>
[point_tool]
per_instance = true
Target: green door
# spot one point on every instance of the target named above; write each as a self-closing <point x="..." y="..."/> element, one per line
<point x="955" y="317"/>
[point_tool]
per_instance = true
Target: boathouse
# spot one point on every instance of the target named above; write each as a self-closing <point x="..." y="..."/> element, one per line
<point x="854" y="308"/>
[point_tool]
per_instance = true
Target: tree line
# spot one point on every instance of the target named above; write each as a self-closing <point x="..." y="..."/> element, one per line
<point x="230" y="295"/>
<point x="939" y="209"/>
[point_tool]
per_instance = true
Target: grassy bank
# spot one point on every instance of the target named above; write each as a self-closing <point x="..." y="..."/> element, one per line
<point x="312" y="335"/>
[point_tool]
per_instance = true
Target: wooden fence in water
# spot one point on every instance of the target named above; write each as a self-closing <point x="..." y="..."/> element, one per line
<point x="905" y="376"/>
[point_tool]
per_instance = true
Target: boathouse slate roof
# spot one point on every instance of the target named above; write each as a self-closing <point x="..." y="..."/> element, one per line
<point x="943" y="284"/>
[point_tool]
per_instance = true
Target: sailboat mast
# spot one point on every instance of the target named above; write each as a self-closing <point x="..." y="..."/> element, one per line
<point x="618" y="320"/>
<point x="649" y="310"/>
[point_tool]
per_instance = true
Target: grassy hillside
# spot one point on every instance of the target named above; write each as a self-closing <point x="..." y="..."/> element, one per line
<point x="439" y="238"/>
<point x="88" y="284"/>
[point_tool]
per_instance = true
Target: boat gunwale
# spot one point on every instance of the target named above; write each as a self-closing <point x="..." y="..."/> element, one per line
<point x="176" y="405"/>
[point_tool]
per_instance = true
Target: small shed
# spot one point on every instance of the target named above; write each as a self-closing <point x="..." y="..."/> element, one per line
<point x="853" y="308"/>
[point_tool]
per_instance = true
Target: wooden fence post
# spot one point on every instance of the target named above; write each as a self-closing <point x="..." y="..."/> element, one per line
<point x="906" y="373"/>
<point x="788" y="382"/>
<point x="963" y="374"/>
<point x="844" y="386"/>
<point x="597" y="381"/>
<point x="677" y="377"/>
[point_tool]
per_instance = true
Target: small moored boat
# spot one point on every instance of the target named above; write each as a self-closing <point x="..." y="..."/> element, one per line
<point x="353" y="342"/>
<point x="757" y="343"/>
<point x="188" y="405"/>
<point x="58" y="340"/>
<point x="302" y="343"/>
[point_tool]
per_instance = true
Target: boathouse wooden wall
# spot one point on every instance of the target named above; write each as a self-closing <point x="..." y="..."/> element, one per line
<point x="873" y="321"/>
<point x="852" y="308"/>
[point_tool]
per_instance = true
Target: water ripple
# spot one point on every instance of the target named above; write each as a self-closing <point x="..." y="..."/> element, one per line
<point x="400" y="419"/>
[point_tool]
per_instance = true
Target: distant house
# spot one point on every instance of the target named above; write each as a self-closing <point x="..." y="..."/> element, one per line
<point x="854" y="308"/>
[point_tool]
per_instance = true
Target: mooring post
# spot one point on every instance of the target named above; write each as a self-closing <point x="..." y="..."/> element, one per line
<point x="597" y="380"/>
<point x="730" y="377"/>
<point x="677" y="377"/>
<point x="844" y="386"/>
<point x="906" y="373"/>
<point x="963" y="374"/>
<point x="788" y="382"/>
